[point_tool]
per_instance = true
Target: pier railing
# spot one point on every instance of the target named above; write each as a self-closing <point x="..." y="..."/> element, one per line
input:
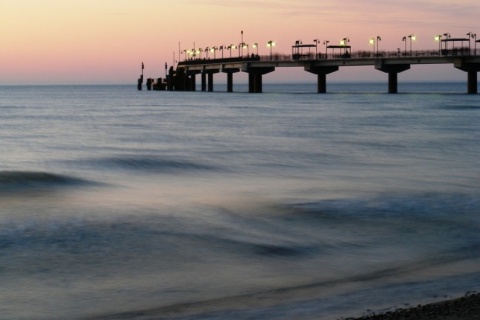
<point x="460" y="52"/>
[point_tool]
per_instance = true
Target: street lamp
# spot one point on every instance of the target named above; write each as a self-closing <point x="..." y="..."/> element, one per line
<point x="326" y="44"/>
<point x="230" y="47"/>
<point x="343" y="43"/>
<point x="214" y="50"/>
<point x="378" y="40"/>
<point x="412" y="37"/>
<point x="271" y="44"/>
<point x="241" y="44"/>
<point x="192" y="53"/>
<point x="447" y="35"/>
<point x="474" y="37"/>
<point x="439" y="39"/>
<point x="404" y="39"/>
<point x="316" y="48"/>
<point x="372" y="42"/>
<point x="245" y="45"/>
<point x="255" y="45"/>
<point x="207" y="49"/>
<point x="221" y="48"/>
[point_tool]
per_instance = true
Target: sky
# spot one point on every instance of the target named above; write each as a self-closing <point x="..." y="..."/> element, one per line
<point x="105" y="41"/>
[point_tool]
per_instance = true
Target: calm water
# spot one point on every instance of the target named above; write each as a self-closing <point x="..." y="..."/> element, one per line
<point x="282" y="205"/>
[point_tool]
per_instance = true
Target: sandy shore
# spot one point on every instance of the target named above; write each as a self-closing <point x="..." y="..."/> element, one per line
<point x="465" y="308"/>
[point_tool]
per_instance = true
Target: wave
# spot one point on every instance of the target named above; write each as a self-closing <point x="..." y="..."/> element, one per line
<point x="79" y="235"/>
<point x="27" y="180"/>
<point x="460" y="107"/>
<point x="152" y="164"/>
<point x="387" y="205"/>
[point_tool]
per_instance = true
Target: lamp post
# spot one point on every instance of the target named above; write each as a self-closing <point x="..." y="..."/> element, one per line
<point x="241" y="44"/>
<point x="439" y="39"/>
<point x="214" y="50"/>
<point x="326" y="45"/>
<point x="404" y="39"/>
<point x="474" y="37"/>
<point x="245" y="45"/>
<point x="207" y="49"/>
<point x="255" y="45"/>
<point x="221" y="48"/>
<point x="372" y="42"/>
<point x="271" y="44"/>
<point x="412" y="37"/>
<point x="230" y="47"/>
<point x="344" y="42"/>
<point x="316" y="48"/>
<point x="378" y="40"/>
<point x="447" y="35"/>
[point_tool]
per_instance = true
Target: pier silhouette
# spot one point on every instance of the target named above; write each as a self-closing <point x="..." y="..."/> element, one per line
<point x="452" y="51"/>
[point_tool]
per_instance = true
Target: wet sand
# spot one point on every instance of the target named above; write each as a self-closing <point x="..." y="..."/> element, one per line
<point x="465" y="308"/>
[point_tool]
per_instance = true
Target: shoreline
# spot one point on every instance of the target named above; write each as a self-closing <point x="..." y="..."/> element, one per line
<point x="463" y="308"/>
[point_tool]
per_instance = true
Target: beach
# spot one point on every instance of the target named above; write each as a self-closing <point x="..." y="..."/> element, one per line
<point x="464" y="308"/>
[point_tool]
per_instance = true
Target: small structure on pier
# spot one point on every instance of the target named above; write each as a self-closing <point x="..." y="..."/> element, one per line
<point x="344" y="51"/>
<point x="452" y="50"/>
<point x="298" y="52"/>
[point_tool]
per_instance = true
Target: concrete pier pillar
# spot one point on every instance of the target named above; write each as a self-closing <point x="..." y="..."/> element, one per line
<point x="392" y="82"/>
<point x="230" y="72"/>
<point x="210" y="82"/>
<point x="322" y="83"/>
<point x="251" y="83"/>
<point x="472" y="82"/>
<point x="255" y="82"/>
<point x="321" y="73"/>
<point x="393" y="70"/>
<point x="258" y="84"/>
<point x="204" y="81"/>
<point x="186" y="83"/>
<point x="193" y="82"/>
<point x="229" y="82"/>
<point x="472" y="68"/>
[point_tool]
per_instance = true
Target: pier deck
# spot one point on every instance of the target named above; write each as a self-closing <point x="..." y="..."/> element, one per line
<point x="391" y="63"/>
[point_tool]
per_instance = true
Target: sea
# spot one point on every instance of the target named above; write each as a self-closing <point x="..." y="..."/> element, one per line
<point x="288" y="204"/>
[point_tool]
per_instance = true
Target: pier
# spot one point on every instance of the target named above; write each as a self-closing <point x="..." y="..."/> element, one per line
<point x="335" y="57"/>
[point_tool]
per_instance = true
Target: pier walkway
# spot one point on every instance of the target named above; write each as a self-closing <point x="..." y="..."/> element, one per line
<point x="392" y="63"/>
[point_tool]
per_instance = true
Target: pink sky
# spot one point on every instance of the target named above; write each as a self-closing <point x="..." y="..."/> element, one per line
<point x="92" y="41"/>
